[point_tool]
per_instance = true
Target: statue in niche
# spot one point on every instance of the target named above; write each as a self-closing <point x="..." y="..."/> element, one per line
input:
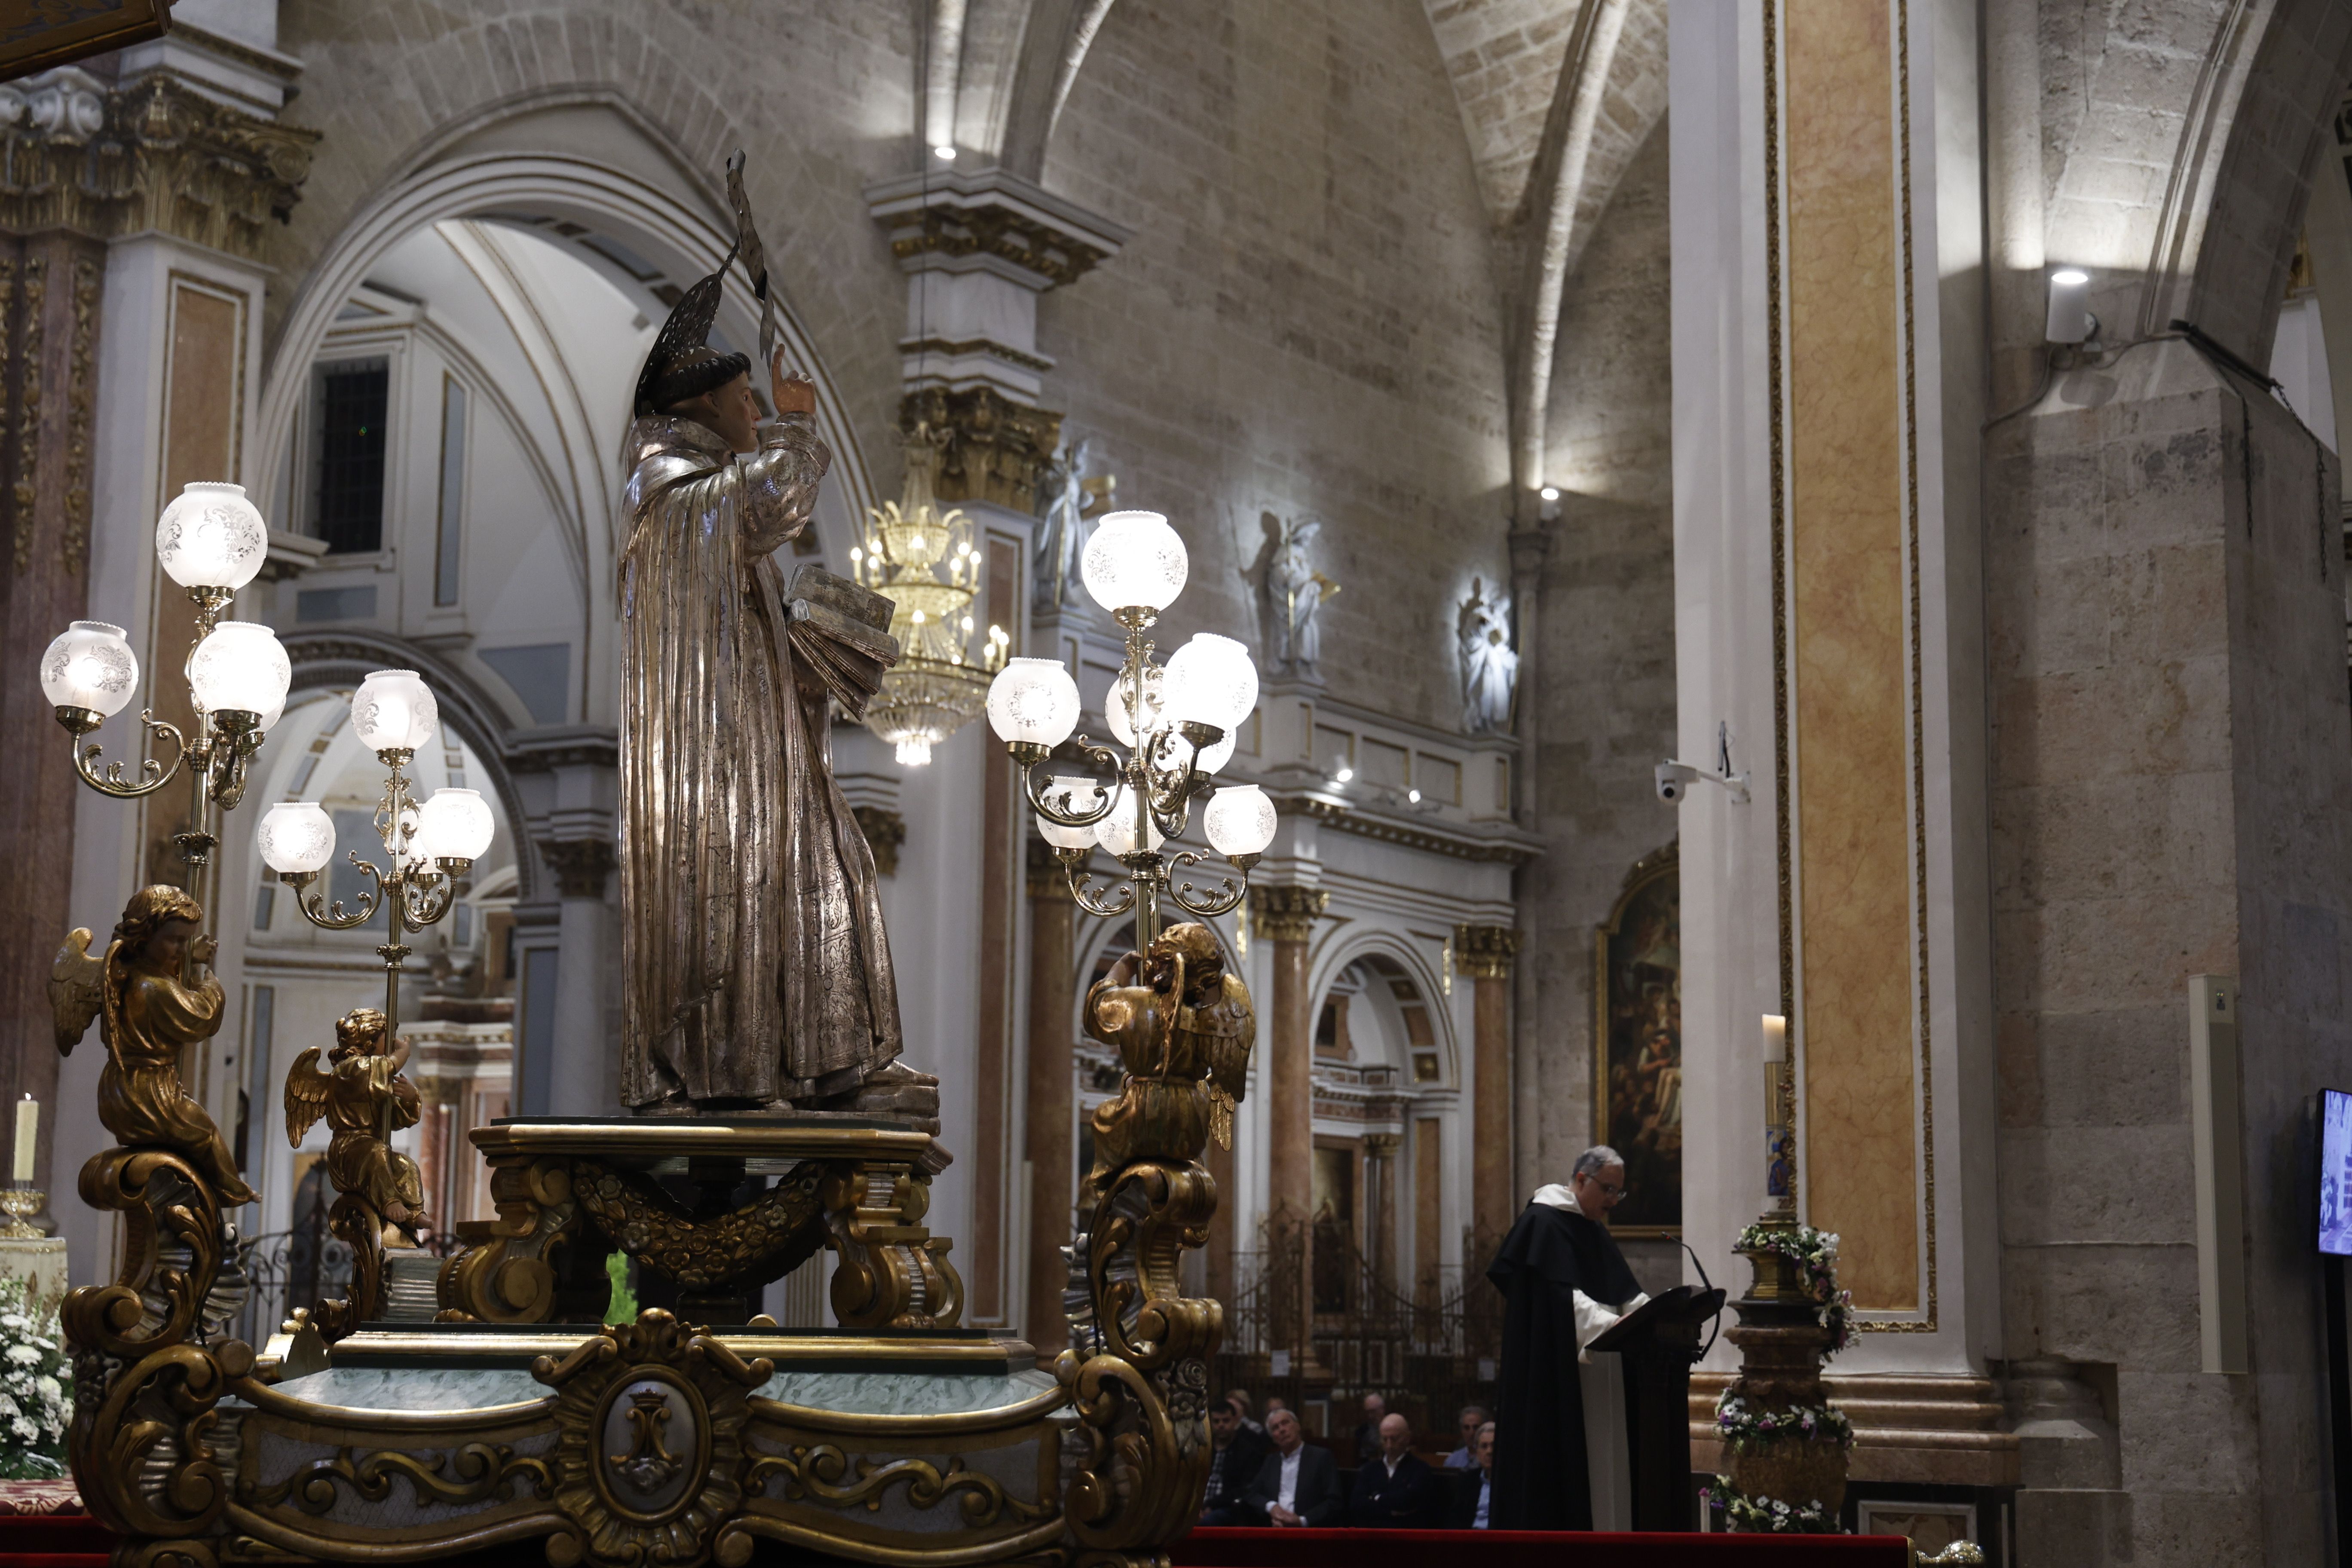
<point x="757" y="975"/>
<point x="365" y="1100"/>
<point x="1071" y="496"/>
<point x="150" y="1008"/>
<point x="1490" y="665"/>
<point x="1296" y="593"/>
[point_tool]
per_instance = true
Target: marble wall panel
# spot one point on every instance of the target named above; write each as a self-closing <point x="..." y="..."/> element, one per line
<point x="1850" y="657"/>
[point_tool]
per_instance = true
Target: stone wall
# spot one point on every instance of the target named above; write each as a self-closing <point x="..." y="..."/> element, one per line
<point x="1607" y="704"/>
<point x="2172" y="770"/>
<point x="1305" y="321"/>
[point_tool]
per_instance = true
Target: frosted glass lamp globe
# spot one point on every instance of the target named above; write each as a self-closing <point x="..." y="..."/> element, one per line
<point x="1115" y="833"/>
<point x="1240" y="821"/>
<point x="241" y="667"/>
<point x="1134" y="562"/>
<point x="393" y="711"/>
<point x="211" y="536"/>
<point x="1071" y="794"/>
<point x="90" y="665"/>
<point x="1033" y="701"/>
<point x="296" y="837"/>
<point x="455" y="825"/>
<point x="1213" y="680"/>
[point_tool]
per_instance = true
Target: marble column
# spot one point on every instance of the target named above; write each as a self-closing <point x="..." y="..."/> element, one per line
<point x="1284" y="918"/>
<point x="1380" y="1184"/>
<point x="50" y="297"/>
<point x="1486" y="953"/>
<point x="1053" y="1006"/>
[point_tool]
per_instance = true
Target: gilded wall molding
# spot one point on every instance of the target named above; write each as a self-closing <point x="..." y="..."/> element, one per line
<point x="996" y="450"/>
<point x="152" y="156"/>
<point x="1286" y="913"/>
<point x="1485" y="952"/>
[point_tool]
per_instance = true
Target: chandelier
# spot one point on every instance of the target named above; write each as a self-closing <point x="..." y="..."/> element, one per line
<point x="923" y="561"/>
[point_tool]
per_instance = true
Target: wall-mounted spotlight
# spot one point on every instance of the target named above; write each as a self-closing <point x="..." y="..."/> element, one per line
<point x="944" y="152"/>
<point x="2070" y="320"/>
<point x="1550" y="510"/>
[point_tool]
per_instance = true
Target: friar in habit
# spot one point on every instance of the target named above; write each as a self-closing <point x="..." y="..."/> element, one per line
<point x="756" y="973"/>
<point x="1561" y="1460"/>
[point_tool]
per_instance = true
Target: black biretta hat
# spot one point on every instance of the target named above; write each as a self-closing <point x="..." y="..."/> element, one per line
<point x="682" y="365"/>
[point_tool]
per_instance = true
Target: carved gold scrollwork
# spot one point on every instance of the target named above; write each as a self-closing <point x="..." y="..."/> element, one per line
<point x="649" y="1449"/>
<point x="171" y="1252"/>
<point x="815" y="1472"/>
<point x="892" y="1272"/>
<point x="470" y="1473"/>
<point x="528" y="1263"/>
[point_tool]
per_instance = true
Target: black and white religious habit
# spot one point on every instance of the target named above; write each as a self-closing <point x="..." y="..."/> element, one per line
<point x="1562" y="1460"/>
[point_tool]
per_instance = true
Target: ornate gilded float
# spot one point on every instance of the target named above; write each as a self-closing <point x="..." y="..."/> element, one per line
<point x="501" y="1411"/>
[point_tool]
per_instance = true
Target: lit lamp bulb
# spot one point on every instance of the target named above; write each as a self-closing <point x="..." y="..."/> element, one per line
<point x="393" y="711"/>
<point x="455" y="825"/>
<point x="1240" y="823"/>
<point x="88" y="674"/>
<point x="296" y="839"/>
<point x="240" y="672"/>
<point x="1071" y="794"/>
<point x="2069" y="320"/>
<point x="1210" y="679"/>
<point x="1115" y="833"/>
<point x="1134" y="562"/>
<point x="211" y="536"/>
<point x="1032" y="705"/>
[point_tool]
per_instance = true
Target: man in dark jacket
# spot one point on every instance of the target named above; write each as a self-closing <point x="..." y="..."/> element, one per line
<point x="1396" y="1490"/>
<point x="1474" y="1493"/>
<point x="1297" y="1484"/>
<point x="1239" y="1450"/>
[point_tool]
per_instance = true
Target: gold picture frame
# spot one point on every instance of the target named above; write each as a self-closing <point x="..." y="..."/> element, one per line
<point x="1637" y="1042"/>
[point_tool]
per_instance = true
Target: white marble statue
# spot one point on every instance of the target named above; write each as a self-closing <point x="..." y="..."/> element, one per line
<point x="1296" y="593"/>
<point x="1490" y="665"/>
<point x="1069" y="496"/>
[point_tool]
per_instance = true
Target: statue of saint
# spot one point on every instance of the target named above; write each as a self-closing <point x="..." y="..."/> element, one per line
<point x="1071" y="496"/>
<point x="1295" y="594"/>
<point x="757" y="974"/>
<point x="365" y="1100"/>
<point x="149" y="1012"/>
<point x="1490" y="666"/>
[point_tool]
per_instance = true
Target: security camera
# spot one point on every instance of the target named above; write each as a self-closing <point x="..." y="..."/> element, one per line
<point x="1675" y="778"/>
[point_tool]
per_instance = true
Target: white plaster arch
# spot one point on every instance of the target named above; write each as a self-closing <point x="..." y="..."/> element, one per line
<point x="1355" y="941"/>
<point x="681" y="231"/>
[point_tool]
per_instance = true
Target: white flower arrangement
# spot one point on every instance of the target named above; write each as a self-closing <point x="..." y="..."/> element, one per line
<point x="36" y="1393"/>
<point x="1744" y="1429"/>
<point x="1769" y="1514"/>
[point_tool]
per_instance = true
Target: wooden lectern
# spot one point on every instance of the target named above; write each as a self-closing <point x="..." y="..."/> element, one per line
<point x="1658" y="1343"/>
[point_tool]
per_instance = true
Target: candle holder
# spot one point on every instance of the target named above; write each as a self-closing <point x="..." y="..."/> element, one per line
<point x="23" y="1206"/>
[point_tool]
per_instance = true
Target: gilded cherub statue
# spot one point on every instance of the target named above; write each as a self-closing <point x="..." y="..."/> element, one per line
<point x="1183" y="1027"/>
<point x="365" y="1101"/>
<point x="149" y="1011"/>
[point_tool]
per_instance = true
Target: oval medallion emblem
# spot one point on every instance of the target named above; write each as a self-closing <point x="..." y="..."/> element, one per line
<point x="655" y="1447"/>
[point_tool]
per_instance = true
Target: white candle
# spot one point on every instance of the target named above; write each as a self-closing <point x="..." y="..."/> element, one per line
<point x="28" y="1127"/>
<point x="1775" y="1038"/>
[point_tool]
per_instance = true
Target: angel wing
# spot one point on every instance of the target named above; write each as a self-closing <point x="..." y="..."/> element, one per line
<point x="306" y="1095"/>
<point x="77" y="987"/>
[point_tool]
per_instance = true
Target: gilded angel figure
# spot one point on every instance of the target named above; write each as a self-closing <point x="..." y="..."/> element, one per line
<point x="365" y="1101"/>
<point x="149" y="1011"/>
<point x="1183" y="1027"/>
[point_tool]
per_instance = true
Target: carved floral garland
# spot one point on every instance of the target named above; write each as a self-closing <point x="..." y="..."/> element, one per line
<point x="1769" y="1514"/>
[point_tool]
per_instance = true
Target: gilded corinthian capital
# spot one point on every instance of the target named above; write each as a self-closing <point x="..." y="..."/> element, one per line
<point x="1485" y="952"/>
<point x="1287" y="914"/>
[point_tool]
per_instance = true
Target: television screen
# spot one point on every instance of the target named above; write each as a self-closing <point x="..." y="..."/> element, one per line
<point x="2336" y="1171"/>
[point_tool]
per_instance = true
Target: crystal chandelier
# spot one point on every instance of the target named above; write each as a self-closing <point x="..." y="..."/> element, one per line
<point x="923" y="561"/>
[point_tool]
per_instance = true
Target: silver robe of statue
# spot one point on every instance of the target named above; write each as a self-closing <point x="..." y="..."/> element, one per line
<point x="756" y="967"/>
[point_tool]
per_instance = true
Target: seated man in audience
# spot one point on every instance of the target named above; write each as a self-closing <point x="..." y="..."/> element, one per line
<point x="1396" y="1488"/>
<point x="1238" y="1450"/>
<point x="1465" y="1457"/>
<point x="1474" y="1489"/>
<point x="1240" y="1400"/>
<point x="1297" y="1484"/>
<point x="1368" y="1433"/>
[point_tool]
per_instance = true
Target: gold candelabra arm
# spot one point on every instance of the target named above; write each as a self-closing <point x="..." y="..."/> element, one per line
<point x="152" y="775"/>
<point x="225" y="756"/>
<point x="1082" y="885"/>
<point x="333" y="916"/>
<point x="1230" y="894"/>
<point x="1040" y="787"/>
<point x="427" y="895"/>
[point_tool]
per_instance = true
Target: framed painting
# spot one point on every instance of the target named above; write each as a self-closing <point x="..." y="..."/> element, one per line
<point x="1637" y="1043"/>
